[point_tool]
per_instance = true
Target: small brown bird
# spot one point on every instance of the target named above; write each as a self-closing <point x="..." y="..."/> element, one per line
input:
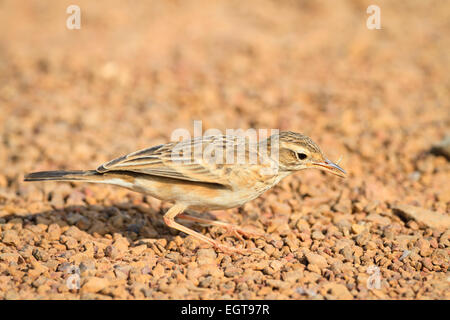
<point x="206" y="173"/>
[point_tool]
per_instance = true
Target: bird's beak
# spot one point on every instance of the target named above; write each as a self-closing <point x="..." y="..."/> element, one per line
<point x="332" y="167"/>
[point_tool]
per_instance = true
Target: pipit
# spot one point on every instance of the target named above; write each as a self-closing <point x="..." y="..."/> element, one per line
<point x="206" y="173"/>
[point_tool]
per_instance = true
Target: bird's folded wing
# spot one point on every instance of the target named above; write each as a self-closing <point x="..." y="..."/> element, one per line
<point x="164" y="161"/>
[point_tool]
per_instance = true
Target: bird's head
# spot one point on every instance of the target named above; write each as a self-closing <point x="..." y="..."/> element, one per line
<point x="298" y="152"/>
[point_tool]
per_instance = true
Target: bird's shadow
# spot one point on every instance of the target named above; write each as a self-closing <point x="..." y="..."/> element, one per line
<point x="134" y="222"/>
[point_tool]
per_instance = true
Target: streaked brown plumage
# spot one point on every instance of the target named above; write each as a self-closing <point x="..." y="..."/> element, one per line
<point x="205" y="173"/>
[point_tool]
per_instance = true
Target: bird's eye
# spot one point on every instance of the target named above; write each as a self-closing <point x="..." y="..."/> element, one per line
<point x="301" y="156"/>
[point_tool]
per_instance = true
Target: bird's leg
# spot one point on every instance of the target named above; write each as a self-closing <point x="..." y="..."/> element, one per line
<point x="231" y="229"/>
<point x="176" y="210"/>
<point x="237" y="231"/>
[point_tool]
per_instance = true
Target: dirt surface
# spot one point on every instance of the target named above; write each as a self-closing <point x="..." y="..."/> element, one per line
<point x="135" y="71"/>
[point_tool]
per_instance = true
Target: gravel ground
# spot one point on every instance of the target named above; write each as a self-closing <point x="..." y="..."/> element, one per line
<point x="73" y="99"/>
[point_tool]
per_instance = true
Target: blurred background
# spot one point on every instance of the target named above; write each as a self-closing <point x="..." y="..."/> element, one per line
<point x="137" y="70"/>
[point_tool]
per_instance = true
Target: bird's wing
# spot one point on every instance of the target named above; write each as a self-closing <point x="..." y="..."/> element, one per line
<point x="179" y="160"/>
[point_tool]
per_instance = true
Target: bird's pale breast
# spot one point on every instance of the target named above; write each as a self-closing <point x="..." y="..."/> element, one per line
<point x="205" y="195"/>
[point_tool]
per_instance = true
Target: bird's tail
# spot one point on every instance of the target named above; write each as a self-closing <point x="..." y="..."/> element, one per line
<point x="60" y="175"/>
